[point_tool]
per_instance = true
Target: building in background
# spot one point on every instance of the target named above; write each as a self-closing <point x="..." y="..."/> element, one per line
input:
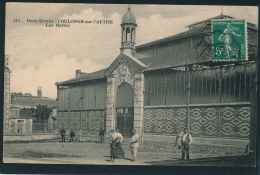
<point x="23" y="107"/>
<point x="28" y="101"/>
<point x="164" y="86"/>
<point x="17" y="109"/>
<point x="7" y="96"/>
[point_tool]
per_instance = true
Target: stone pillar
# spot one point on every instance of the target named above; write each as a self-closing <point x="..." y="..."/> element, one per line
<point x="138" y="102"/>
<point x="110" y="111"/>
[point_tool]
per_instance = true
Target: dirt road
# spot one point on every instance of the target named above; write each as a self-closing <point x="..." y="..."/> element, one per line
<point x="56" y="152"/>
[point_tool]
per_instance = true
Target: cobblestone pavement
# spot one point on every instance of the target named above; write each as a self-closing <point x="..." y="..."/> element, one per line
<point x="151" y="153"/>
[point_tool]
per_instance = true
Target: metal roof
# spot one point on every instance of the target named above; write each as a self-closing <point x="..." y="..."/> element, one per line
<point x="171" y="60"/>
<point x="191" y="32"/>
<point x="161" y="61"/>
<point x="209" y="19"/>
<point x="175" y="37"/>
<point x="91" y="76"/>
<point x="129" y="17"/>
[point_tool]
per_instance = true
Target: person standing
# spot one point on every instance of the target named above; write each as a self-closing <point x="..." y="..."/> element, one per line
<point x="186" y="140"/>
<point x="134" y="144"/>
<point x="72" y="135"/>
<point x="62" y="133"/>
<point x="102" y="135"/>
<point x="112" y="135"/>
<point x="177" y="144"/>
<point x="113" y="150"/>
<point x="119" y="138"/>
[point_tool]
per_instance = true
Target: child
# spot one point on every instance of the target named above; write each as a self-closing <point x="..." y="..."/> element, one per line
<point x="72" y="135"/>
<point x="113" y="147"/>
<point x="178" y="139"/>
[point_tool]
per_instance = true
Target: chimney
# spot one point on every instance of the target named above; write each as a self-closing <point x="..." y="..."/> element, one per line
<point x="78" y="73"/>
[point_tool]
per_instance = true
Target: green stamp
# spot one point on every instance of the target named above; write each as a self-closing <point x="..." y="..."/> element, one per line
<point x="229" y="40"/>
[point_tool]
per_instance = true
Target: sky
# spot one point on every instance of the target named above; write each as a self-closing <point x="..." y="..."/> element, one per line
<point x="41" y="56"/>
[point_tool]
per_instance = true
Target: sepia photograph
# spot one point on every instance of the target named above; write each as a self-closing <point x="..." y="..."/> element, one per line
<point x="130" y="84"/>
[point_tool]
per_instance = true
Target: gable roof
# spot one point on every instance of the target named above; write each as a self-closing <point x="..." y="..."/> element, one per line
<point x="103" y="72"/>
<point x="161" y="61"/>
<point x="126" y="56"/>
<point x="170" y="60"/>
<point x="90" y="76"/>
<point x="209" y="19"/>
<point x="150" y="63"/>
<point x="191" y="31"/>
<point x="175" y="37"/>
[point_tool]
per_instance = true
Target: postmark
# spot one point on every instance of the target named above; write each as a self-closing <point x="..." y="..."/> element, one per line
<point x="229" y="40"/>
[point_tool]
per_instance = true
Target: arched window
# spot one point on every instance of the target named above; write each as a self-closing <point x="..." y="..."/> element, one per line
<point x="125" y="96"/>
<point x="128" y="34"/>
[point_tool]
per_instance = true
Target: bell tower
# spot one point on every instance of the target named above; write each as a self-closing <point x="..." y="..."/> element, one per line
<point x="128" y="26"/>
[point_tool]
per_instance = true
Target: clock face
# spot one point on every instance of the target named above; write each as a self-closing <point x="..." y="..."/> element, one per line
<point x="122" y="70"/>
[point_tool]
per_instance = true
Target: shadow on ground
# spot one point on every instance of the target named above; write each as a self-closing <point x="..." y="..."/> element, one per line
<point x="39" y="154"/>
<point x="46" y="141"/>
<point x="230" y="161"/>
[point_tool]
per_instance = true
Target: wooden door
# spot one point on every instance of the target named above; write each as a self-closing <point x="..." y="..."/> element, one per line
<point x="125" y="109"/>
<point x="125" y="121"/>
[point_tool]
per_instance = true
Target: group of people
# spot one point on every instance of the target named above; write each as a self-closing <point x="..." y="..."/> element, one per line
<point x="183" y="141"/>
<point x="63" y="133"/>
<point x="116" y="150"/>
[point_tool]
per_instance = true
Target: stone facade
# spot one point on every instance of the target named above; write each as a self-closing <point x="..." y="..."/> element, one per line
<point x="20" y="126"/>
<point x="124" y="70"/>
<point x="7" y="99"/>
<point x="166" y="89"/>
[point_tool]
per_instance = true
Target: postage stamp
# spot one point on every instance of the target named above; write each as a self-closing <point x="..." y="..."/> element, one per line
<point x="129" y="84"/>
<point x="229" y="40"/>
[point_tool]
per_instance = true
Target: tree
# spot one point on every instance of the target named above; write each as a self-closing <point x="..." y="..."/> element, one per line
<point x="42" y="113"/>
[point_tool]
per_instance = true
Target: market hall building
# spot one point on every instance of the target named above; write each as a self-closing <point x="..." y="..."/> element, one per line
<point x="163" y="86"/>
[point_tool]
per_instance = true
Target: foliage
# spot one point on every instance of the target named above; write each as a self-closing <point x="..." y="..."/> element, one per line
<point x="42" y="113"/>
<point x="21" y="94"/>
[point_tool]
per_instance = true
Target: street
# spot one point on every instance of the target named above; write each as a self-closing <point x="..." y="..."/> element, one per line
<point x="151" y="153"/>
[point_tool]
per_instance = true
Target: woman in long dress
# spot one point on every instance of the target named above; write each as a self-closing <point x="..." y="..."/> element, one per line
<point x="227" y="37"/>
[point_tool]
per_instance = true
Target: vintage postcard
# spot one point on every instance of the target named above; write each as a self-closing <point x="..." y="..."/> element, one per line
<point x="127" y="84"/>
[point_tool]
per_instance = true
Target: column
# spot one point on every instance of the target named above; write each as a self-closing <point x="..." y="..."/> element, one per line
<point x="110" y="111"/>
<point x="138" y="102"/>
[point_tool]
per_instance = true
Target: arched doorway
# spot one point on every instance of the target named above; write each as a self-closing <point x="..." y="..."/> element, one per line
<point x="125" y="109"/>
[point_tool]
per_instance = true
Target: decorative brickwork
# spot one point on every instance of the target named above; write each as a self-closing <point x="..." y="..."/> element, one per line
<point x="91" y="120"/>
<point x="204" y="121"/>
<point x="235" y="121"/>
<point x="231" y="121"/>
<point x="164" y="120"/>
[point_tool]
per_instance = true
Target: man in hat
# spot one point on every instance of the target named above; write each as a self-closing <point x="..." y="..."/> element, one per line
<point x="134" y="144"/>
<point x="62" y="133"/>
<point x="186" y="140"/>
